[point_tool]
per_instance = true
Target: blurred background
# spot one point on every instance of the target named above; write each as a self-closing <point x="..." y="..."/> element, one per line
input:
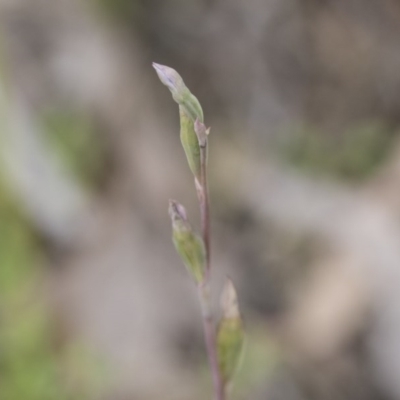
<point x="303" y="97"/>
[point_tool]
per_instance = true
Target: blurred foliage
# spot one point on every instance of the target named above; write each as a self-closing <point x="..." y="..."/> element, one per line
<point x="124" y="10"/>
<point x="352" y="156"/>
<point x="76" y="143"/>
<point x="31" y="368"/>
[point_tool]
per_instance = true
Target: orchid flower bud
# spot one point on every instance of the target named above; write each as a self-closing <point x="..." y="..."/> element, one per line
<point x="180" y="93"/>
<point x="188" y="245"/>
<point x="190" y="111"/>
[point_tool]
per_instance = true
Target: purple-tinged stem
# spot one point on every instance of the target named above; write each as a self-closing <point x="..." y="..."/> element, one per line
<point x="211" y="341"/>
<point x="204" y="288"/>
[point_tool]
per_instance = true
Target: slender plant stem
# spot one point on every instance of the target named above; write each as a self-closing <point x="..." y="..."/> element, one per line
<point x="205" y="206"/>
<point x="204" y="287"/>
<point x="211" y="342"/>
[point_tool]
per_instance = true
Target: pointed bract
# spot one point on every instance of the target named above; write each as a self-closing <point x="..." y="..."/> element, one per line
<point x="229" y="301"/>
<point x="201" y="132"/>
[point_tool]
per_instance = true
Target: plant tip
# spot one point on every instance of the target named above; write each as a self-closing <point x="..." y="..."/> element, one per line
<point x="229" y="302"/>
<point x="176" y="211"/>
<point x="169" y="77"/>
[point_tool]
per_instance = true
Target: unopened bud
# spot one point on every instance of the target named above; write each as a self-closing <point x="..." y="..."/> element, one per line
<point x="230" y="336"/>
<point x="170" y="78"/>
<point x="188" y="245"/>
<point x="180" y="93"/>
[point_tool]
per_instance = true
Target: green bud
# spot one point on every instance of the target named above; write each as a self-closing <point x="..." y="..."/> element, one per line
<point x="230" y="335"/>
<point x="180" y="93"/>
<point x="188" y="245"/>
<point x="190" y="143"/>
<point x="189" y="110"/>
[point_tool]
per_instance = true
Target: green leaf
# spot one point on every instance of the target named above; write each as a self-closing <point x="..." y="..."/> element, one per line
<point x="190" y="143"/>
